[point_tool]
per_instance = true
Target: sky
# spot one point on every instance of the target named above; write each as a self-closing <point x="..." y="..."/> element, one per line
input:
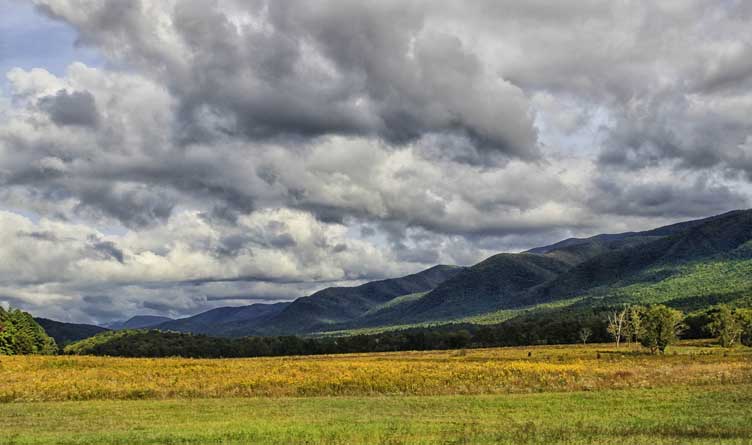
<point x="166" y="157"/>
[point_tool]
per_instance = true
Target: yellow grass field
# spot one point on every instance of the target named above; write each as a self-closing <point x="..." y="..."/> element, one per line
<point x="696" y="394"/>
<point x="479" y="371"/>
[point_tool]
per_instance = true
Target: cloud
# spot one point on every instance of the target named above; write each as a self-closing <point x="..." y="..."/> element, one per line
<point x="70" y="263"/>
<point x="292" y="70"/>
<point x="693" y="198"/>
<point x="76" y="108"/>
<point x="230" y="152"/>
<point x="106" y="249"/>
<point x="692" y="132"/>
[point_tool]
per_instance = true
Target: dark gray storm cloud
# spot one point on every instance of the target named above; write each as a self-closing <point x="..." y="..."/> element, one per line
<point x="693" y="134"/>
<point x="312" y="69"/>
<point x="106" y="249"/>
<point x="132" y="205"/>
<point x="454" y="83"/>
<point x="691" y="199"/>
<point x="76" y="108"/>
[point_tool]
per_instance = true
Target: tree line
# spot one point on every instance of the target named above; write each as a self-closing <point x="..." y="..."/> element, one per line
<point x="20" y="334"/>
<point x="730" y="326"/>
<point x="654" y="327"/>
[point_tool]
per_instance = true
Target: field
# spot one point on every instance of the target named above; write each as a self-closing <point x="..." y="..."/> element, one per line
<point x="569" y="394"/>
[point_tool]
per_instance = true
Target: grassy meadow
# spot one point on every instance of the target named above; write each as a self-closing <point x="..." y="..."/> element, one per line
<point x="566" y="394"/>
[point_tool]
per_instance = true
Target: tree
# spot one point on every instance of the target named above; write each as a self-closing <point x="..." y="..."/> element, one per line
<point x="458" y="339"/>
<point x="726" y="326"/>
<point x="6" y="334"/>
<point x="660" y="327"/>
<point x="744" y="316"/>
<point x="633" y="323"/>
<point x="585" y="334"/>
<point x="20" y="334"/>
<point x="484" y="336"/>
<point x="616" y="323"/>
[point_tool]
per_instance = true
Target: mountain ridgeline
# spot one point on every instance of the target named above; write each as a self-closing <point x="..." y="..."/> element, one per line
<point x="314" y="313"/>
<point x="689" y="265"/>
<point x="226" y="321"/>
<point x="336" y="305"/>
<point x="138" y="322"/>
<point x="722" y="238"/>
<point x="66" y="333"/>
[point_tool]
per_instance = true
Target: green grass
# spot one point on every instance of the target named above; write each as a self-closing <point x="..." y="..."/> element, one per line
<point x="671" y="415"/>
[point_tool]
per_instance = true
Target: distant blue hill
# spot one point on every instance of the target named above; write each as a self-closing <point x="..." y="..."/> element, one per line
<point x="138" y="322"/>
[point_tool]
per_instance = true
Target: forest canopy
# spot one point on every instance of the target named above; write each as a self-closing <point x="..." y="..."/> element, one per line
<point x="20" y="334"/>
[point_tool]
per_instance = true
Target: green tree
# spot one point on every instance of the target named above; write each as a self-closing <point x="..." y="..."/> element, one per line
<point x="726" y="326"/>
<point x="633" y="324"/>
<point x="6" y="333"/>
<point x="744" y="316"/>
<point x="20" y="334"/>
<point x="660" y="327"/>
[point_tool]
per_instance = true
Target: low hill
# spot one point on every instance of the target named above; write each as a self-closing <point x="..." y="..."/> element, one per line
<point x="138" y="322"/>
<point x="225" y="321"/>
<point x="65" y="333"/>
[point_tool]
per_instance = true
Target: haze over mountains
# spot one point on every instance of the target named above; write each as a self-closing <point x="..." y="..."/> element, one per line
<point x="691" y="264"/>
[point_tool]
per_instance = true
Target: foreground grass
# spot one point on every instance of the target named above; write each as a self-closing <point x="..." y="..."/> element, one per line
<point x="697" y="394"/>
<point x="480" y="371"/>
<point x="671" y="415"/>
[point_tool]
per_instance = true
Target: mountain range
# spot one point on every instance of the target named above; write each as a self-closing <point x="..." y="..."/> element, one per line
<point x="688" y="265"/>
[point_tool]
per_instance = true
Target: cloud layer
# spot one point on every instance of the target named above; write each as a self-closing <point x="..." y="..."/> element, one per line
<point x="231" y="151"/>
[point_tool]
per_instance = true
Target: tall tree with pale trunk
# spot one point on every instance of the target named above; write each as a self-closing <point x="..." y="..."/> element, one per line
<point x="616" y="323"/>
